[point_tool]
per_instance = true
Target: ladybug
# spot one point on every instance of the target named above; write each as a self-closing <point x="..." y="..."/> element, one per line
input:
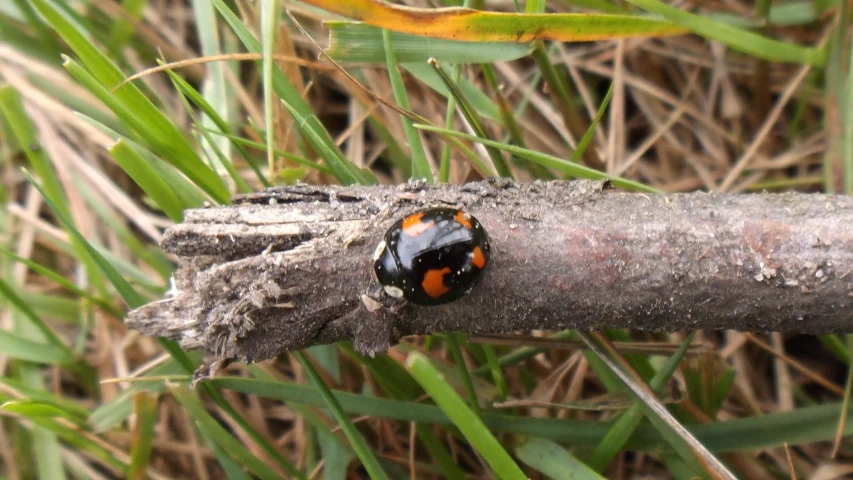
<point x="432" y="256"/>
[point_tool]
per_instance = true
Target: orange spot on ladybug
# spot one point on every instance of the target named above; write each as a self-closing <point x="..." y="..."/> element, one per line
<point x="463" y="218"/>
<point x="433" y="283"/>
<point x="412" y="220"/>
<point x="479" y="260"/>
<point x="413" y="225"/>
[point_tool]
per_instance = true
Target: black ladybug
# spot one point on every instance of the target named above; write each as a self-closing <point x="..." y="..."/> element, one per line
<point x="432" y="256"/>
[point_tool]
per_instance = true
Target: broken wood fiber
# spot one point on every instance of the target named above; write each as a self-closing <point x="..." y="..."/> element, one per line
<point x="289" y="268"/>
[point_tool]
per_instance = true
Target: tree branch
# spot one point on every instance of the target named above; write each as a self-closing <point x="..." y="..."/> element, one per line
<point x="290" y="268"/>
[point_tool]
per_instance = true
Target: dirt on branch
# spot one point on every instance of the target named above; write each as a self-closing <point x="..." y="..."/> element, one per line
<point x="289" y="268"/>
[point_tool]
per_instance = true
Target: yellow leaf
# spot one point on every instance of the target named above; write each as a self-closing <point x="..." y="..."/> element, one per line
<point x="478" y="26"/>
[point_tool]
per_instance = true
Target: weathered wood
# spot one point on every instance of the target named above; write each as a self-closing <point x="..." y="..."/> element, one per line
<point x="289" y="268"/>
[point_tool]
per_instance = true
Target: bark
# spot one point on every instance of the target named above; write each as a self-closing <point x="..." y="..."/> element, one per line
<point x="289" y="268"/>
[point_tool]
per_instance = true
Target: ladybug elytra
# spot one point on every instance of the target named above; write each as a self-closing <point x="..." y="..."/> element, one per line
<point x="432" y="256"/>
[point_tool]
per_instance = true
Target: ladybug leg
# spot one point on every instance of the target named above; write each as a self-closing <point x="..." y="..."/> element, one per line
<point x="375" y="292"/>
<point x="398" y="305"/>
<point x="377" y="297"/>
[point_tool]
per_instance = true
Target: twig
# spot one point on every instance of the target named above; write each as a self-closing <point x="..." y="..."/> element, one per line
<point x="290" y="268"/>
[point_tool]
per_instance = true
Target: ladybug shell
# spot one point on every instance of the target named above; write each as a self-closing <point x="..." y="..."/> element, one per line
<point x="432" y="256"/>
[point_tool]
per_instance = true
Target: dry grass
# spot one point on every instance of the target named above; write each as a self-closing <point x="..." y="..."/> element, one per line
<point x="686" y="114"/>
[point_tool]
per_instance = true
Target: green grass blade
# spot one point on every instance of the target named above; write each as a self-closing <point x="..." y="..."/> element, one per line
<point x="18" y="347"/>
<point x="199" y="101"/>
<point x="244" y="142"/>
<point x="304" y="118"/>
<point x="269" y="23"/>
<point x="420" y="166"/>
<point x="336" y="457"/>
<point x="481" y="25"/>
<point x="80" y="105"/>
<point x="449" y="117"/>
<point x="145" y="407"/>
<point x="25" y="133"/>
<point x="142" y="251"/>
<point x="736" y="38"/>
<point x="476" y="162"/>
<point x="845" y="401"/>
<point x="215" y="88"/>
<point x="221" y="437"/>
<point x="45" y="38"/>
<point x="121" y="111"/>
<point x="232" y="469"/>
<point x="474" y="120"/>
<point x="110" y="414"/>
<point x="364" y="452"/>
<point x="71" y="408"/>
<point x="50" y="460"/>
<point x="397" y="382"/>
<point x="787" y="14"/>
<point x="316" y="133"/>
<point x="484" y="389"/>
<point x="690" y="449"/>
<point x="125" y="268"/>
<point x="552" y="460"/>
<point x="212" y="147"/>
<point x="57" y="307"/>
<point x="361" y="43"/>
<point x="567" y="167"/>
<point x="835" y="345"/>
<point x="46" y="332"/>
<point x="563" y="95"/>
<point x="484" y="105"/>
<point x="127" y="292"/>
<point x="122" y="30"/>
<point x="511" y="123"/>
<point x="521" y="354"/>
<point x="336" y="451"/>
<point x="534" y="6"/>
<point x="335" y="454"/>
<point x="150" y="122"/>
<point x="147" y="179"/>
<point x="467" y="421"/>
<point x="190" y="195"/>
<point x="587" y="137"/>
<point x="497" y="374"/>
<point x="407" y="411"/>
<point x="846" y="91"/>
<point x="23" y="39"/>
<point x="804" y="425"/>
<point x="464" y="375"/>
<point x="188" y="365"/>
<point x="621" y="431"/>
<point x="121" y="285"/>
